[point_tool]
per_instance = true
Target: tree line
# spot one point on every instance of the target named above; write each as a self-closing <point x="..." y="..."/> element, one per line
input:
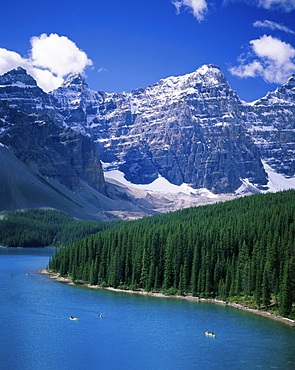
<point x="243" y="247"/>
<point x="43" y="228"/>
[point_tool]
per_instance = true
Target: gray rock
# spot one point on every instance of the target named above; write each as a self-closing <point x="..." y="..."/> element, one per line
<point x="188" y="129"/>
<point x="30" y="128"/>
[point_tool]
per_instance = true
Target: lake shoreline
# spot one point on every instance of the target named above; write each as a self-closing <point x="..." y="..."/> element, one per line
<point x="267" y="314"/>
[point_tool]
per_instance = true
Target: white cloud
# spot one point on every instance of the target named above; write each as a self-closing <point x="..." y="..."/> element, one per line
<point x="9" y="60"/>
<point x="285" y="5"/>
<point x="249" y="70"/>
<point x="198" y="7"/>
<point x="58" y="54"/>
<point x="51" y="59"/>
<point x="45" y="79"/>
<point x="273" y="26"/>
<point x="272" y="48"/>
<point x="272" y="5"/>
<point x="102" y="69"/>
<point x="274" y="60"/>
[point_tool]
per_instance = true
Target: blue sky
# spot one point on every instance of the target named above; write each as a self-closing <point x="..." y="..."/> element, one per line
<point x="122" y="45"/>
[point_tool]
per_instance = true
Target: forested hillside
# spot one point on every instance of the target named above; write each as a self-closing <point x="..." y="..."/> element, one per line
<point x="243" y="247"/>
<point x="43" y="228"/>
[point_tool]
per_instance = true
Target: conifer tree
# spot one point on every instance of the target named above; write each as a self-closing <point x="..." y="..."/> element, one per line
<point x="168" y="273"/>
<point x="182" y="283"/>
<point x="144" y="274"/>
<point x="265" y="297"/>
<point x="286" y="291"/>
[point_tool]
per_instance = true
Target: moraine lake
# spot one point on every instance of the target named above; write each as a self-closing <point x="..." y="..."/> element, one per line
<point x="136" y="332"/>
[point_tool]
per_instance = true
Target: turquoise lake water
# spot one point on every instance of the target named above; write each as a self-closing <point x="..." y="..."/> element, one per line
<point x="136" y="332"/>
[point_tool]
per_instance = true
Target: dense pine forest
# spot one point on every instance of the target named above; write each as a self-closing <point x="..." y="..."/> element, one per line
<point x="43" y="228"/>
<point x="240" y="248"/>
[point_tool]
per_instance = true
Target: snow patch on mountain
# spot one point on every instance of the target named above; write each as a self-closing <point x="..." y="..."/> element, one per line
<point x="277" y="182"/>
<point x="247" y="187"/>
<point x="159" y="185"/>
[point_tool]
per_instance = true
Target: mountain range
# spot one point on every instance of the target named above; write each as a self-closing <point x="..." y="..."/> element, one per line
<point x="59" y="149"/>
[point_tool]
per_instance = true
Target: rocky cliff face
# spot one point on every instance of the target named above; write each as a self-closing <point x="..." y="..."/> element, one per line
<point x="271" y="123"/>
<point x="188" y="129"/>
<point x="29" y="126"/>
<point x="19" y="91"/>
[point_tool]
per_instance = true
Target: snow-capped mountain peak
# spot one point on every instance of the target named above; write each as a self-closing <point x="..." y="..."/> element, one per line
<point x="75" y="80"/>
<point x="283" y="95"/>
<point x="18" y="77"/>
<point x="207" y="76"/>
<point x="191" y="129"/>
<point x="210" y="75"/>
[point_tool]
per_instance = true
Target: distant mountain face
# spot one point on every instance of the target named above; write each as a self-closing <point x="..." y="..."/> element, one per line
<point x="30" y="127"/>
<point x="271" y="123"/>
<point x="48" y="162"/>
<point x="190" y="129"/>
